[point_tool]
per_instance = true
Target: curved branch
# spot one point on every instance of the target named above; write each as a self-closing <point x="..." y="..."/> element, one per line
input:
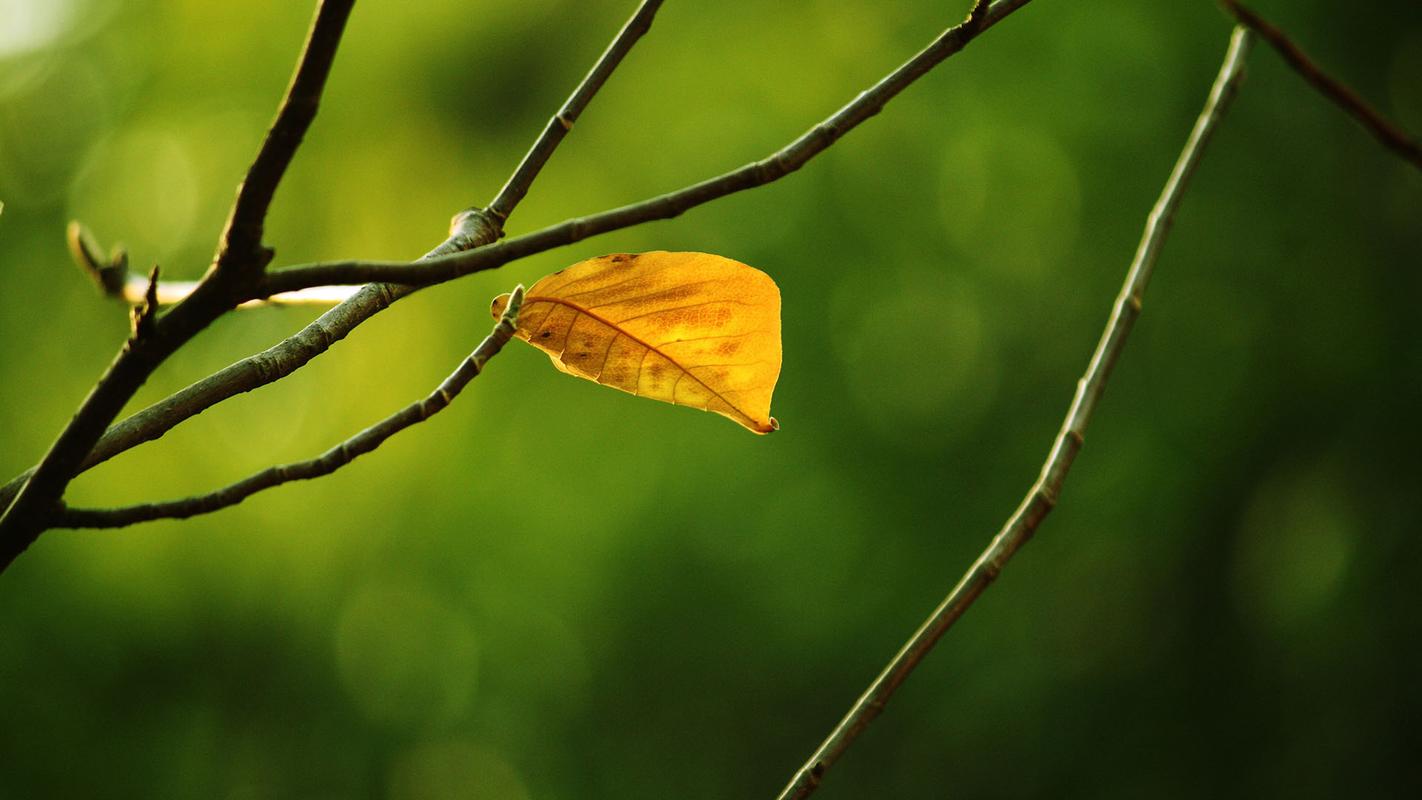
<point x="324" y="464"/>
<point x="1042" y="497"/>
<point x="757" y="173"/>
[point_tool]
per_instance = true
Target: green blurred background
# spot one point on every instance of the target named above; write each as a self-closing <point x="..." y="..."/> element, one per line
<point x="553" y="590"/>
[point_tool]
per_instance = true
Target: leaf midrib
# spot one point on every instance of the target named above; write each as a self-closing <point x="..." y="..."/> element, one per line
<point x="651" y="347"/>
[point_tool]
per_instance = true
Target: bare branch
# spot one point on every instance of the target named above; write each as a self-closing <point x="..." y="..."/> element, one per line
<point x="37" y="494"/>
<point x="241" y="243"/>
<point x="23" y="519"/>
<point x="1042" y="497"/>
<point x="562" y="122"/>
<point x="1383" y="129"/>
<point x="325" y="464"/>
<point x="757" y="173"/>
<point x="470" y="228"/>
<point x="42" y="489"/>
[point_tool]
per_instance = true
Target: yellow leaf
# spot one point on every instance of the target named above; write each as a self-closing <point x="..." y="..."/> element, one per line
<point x="691" y="329"/>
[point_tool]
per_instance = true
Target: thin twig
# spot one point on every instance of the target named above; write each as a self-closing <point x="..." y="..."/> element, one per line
<point x="241" y="243"/>
<point x="112" y="277"/>
<point x="174" y="292"/>
<point x="469" y="228"/>
<point x="1384" y="130"/>
<point x="477" y="228"/>
<point x="325" y="464"/>
<point x="562" y="122"/>
<point x="1043" y="495"/>
<point x="37" y="495"/>
<point x="757" y="173"/>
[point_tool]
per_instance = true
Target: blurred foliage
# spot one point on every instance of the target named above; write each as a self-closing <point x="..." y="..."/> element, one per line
<point x="552" y="590"/>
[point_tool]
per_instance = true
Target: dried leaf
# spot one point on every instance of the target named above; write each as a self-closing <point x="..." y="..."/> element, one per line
<point x="691" y="329"/>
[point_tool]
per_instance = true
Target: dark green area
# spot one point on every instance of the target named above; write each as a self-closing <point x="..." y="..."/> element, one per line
<point x="553" y="590"/>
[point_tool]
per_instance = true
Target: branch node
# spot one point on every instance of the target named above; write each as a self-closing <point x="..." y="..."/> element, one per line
<point x="977" y="16"/>
<point x="991" y="569"/>
<point x="470" y="228"/>
<point x="1048" y="496"/>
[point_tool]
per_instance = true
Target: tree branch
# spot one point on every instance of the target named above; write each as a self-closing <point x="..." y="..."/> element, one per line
<point x="757" y="173"/>
<point x="1385" y="131"/>
<point x="325" y="464"/>
<point x="23" y="519"/>
<point x="470" y="228"/>
<point x="476" y="227"/>
<point x="241" y="243"/>
<point x="1042" y="497"/>
<point x="562" y="122"/>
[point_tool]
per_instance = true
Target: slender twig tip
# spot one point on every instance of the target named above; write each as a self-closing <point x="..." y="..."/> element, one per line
<point x="108" y="273"/>
<point x="515" y="303"/>
<point x="144" y="316"/>
<point x="82" y="246"/>
<point x="150" y="296"/>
